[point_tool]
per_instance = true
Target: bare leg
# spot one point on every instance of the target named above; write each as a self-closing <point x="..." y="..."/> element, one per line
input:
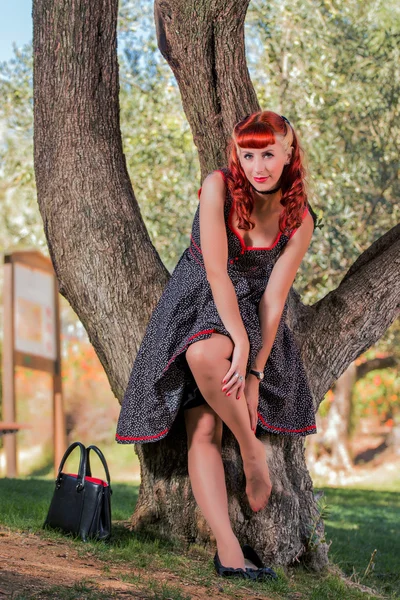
<point x="207" y="478"/>
<point x="209" y="362"/>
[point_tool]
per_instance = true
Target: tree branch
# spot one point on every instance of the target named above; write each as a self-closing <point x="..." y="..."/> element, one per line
<point x="375" y="363"/>
<point x="353" y="317"/>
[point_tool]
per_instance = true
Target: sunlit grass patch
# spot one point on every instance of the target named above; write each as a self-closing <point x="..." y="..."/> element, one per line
<point x="357" y="522"/>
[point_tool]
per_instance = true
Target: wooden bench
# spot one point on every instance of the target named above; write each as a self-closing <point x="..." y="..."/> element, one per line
<point x="11" y="427"/>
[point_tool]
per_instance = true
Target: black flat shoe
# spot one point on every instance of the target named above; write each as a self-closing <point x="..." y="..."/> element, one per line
<point x="229" y="571"/>
<point x="258" y="571"/>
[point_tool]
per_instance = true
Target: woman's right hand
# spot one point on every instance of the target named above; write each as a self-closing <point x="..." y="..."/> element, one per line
<point x="230" y="383"/>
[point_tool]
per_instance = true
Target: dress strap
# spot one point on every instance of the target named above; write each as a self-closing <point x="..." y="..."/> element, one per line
<point x="312" y="213"/>
<point x="309" y="209"/>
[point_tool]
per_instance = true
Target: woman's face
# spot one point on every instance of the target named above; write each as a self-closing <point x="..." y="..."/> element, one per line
<point x="263" y="167"/>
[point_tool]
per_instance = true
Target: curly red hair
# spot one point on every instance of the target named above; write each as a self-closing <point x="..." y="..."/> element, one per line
<point x="258" y="131"/>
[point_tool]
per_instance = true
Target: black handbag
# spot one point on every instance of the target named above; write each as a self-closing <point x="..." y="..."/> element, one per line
<point x="81" y="504"/>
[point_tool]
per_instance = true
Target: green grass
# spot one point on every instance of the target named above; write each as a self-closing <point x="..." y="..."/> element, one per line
<point x="359" y="521"/>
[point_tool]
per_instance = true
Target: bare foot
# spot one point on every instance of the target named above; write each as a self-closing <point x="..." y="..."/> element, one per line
<point x="230" y="554"/>
<point x="258" y="483"/>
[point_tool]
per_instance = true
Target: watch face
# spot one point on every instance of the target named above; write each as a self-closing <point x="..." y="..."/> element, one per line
<point x="258" y="374"/>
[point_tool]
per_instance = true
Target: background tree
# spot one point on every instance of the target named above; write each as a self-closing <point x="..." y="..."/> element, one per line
<point x="341" y="416"/>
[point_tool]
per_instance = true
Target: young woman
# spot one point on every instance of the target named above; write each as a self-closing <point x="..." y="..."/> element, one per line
<point x="217" y="345"/>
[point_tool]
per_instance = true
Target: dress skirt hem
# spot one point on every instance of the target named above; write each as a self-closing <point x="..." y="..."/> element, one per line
<point x="262" y="425"/>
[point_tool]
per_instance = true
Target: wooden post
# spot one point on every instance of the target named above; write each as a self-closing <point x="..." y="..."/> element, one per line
<point x="59" y="427"/>
<point x="9" y="441"/>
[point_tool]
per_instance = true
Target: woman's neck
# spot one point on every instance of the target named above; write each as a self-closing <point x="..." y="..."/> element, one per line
<point x="267" y="202"/>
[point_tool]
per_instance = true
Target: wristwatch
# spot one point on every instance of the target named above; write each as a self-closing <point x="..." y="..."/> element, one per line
<point x="258" y="374"/>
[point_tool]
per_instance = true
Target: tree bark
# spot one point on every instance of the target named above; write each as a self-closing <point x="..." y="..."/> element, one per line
<point x="106" y="265"/>
<point x="112" y="276"/>
<point x="203" y="42"/>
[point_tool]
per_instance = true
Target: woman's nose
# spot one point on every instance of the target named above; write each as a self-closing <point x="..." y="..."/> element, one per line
<point x="259" y="165"/>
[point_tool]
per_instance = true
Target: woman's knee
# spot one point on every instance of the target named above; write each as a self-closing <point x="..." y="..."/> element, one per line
<point x="206" y="354"/>
<point x="203" y="425"/>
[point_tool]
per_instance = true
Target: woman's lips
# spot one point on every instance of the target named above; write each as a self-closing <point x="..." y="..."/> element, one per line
<point x="260" y="179"/>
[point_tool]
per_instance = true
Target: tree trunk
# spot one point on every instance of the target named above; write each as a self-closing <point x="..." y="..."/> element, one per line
<point x="337" y="432"/>
<point x="106" y="265"/>
<point x="203" y="42"/>
<point x="336" y="436"/>
<point x="112" y="276"/>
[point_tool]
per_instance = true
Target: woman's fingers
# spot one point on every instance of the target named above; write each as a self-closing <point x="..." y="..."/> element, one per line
<point x="240" y="389"/>
<point x="232" y="382"/>
<point x="232" y="388"/>
<point x="231" y="374"/>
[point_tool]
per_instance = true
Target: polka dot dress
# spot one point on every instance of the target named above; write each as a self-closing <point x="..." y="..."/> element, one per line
<point x="161" y="383"/>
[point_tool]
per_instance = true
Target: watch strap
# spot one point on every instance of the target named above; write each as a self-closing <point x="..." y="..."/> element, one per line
<point x="258" y="374"/>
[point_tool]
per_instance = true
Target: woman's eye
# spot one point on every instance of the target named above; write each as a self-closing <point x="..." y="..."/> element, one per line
<point x="246" y="156"/>
<point x="268" y="154"/>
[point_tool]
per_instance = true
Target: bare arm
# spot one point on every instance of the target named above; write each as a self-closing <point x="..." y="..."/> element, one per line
<point x="273" y="300"/>
<point x="214" y="246"/>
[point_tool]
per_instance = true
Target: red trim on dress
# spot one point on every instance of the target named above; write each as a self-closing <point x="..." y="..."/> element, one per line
<point x="294" y="230"/>
<point x="144" y="437"/>
<point x="186" y="345"/>
<point x="308" y="428"/>
<point x="194" y="244"/>
<point x="196" y="259"/>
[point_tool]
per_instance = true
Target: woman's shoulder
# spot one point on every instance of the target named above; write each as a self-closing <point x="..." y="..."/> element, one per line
<point x="215" y="182"/>
<point x="218" y="175"/>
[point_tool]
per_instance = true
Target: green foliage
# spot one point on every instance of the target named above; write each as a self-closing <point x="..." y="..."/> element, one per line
<point x="21" y="226"/>
<point x="314" y="536"/>
<point x="332" y="69"/>
<point x="378" y="394"/>
<point x="161" y="157"/>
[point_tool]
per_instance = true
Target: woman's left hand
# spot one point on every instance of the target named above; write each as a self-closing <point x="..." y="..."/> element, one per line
<point x="251" y="391"/>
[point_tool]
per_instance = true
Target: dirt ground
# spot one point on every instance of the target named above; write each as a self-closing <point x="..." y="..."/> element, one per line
<point x="30" y="565"/>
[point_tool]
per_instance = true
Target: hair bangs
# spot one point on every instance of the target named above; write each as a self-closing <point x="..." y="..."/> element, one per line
<point x="255" y="135"/>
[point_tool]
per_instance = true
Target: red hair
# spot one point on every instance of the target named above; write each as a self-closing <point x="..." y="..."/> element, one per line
<point x="258" y="131"/>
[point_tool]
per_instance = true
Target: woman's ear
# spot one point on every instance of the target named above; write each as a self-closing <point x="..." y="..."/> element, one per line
<point x="289" y="155"/>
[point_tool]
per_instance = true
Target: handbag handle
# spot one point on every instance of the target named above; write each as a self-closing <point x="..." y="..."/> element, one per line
<point x="103" y="461"/>
<point x="82" y="465"/>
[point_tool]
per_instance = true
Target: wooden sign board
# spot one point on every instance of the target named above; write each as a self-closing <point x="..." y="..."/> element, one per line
<point x="31" y="338"/>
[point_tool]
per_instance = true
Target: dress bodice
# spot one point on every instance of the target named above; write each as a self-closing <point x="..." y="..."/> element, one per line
<point x="243" y="260"/>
